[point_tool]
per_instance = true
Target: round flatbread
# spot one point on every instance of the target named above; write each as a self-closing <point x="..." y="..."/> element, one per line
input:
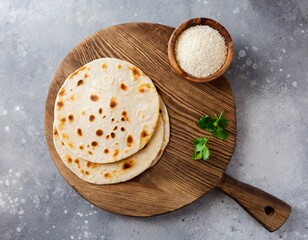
<point x="106" y="110"/>
<point x="165" y="118"/>
<point x="108" y="173"/>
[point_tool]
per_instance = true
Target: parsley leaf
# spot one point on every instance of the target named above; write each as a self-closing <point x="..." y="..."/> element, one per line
<point x="216" y="125"/>
<point x="204" y="121"/>
<point x="201" y="150"/>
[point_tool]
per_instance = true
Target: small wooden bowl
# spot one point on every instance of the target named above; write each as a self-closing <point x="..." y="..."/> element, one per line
<point x="193" y="22"/>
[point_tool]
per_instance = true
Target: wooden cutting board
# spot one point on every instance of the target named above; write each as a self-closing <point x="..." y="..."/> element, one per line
<point x="176" y="180"/>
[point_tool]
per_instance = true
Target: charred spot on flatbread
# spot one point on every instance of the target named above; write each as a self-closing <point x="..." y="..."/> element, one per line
<point x="112" y="134"/>
<point x="135" y="72"/>
<point x="71" y="117"/>
<point x="106" y="151"/>
<point x="94" y="97"/>
<point x="91" y="165"/>
<point x="122" y="129"/>
<point x="99" y="132"/>
<point x="128" y="164"/>
<point x="80" y="82"/>
<point x="123" y="86"/>
<point x="91" y="118"/>
<point x="77" y="71"/>
<point x="100" y="110"/>
<point x="94" y="144"/>
<point x="107" y="175"/>
<point x="62" y="92"/>
<point x="144" y="134"/>
<point x="69" y="160"/>
<point x="115" y="154"/>
<point x="79" y="131"/>
<point x="129" y="140"/>
<point x="63" y="120"/>
<point x="113" y="102"/>
<point x="60" y="105"/>
<point x="124" y="116"/>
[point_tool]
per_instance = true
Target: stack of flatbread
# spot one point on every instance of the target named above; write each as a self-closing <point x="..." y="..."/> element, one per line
<point x="110" y="124"/>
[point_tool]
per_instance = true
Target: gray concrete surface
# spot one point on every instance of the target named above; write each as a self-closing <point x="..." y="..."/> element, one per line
<point x="269" y="77"/>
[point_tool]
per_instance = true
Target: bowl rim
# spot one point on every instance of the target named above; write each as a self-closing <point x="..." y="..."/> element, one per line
<point x="194" y="22"/>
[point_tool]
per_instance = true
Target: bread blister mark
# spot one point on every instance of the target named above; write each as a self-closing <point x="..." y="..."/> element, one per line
<point x="80" y="82"/>
<point x="115" y="154"/>
<point x="71" y="117"/>
<point x="99" y="132"/>
<point x="60" y="105"/>
<point x="62" y="92"/>
<point x="144" y="134"/>
<point x="91" y="118"/>
<point x="64" y="136"/>
<point x="135" y="72"/>
<point x="142" y="88"/>
<point x="94" y="144"/>
<point x="69" y="160"/>
<point x="71" y="145"/>
<point x="124" y="116"/>
<point x="94" y="97"/>
<point x="129" y="140"/>
<point x="113" y="102"/>
<point x="104" y="66"/>
<point x="123" y="86"/>
<point x="77" y="71"/>
<point x="128" y="164"/>
<point x="119" y="66"/>
<point x="100" y="110"/>
<point x="62" y="120"/>
<point x="107" y="175"/>
<point x="71" y="98"/>
<point x="79" y="131"/>
<point x="106" y="151"/>
<point x="76" y="161"/>
<point x="91" y="165"/>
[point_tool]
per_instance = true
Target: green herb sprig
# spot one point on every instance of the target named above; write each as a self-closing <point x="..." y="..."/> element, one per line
<point x="216" y="125"/>
<point x="201" y="150"/>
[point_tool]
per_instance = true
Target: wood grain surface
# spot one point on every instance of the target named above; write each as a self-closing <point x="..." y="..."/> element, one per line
<point x="190" y="23"/>
<point x="176" y="180"/>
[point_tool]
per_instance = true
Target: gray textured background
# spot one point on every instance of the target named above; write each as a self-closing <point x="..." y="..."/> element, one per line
<point x="269" y="77"/>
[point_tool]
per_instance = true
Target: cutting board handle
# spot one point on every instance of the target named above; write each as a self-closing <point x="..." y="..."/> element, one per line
<point x="270" y="211"/>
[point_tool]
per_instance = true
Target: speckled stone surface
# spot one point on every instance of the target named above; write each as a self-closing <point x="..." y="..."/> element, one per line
<point x="269" y="78"/>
